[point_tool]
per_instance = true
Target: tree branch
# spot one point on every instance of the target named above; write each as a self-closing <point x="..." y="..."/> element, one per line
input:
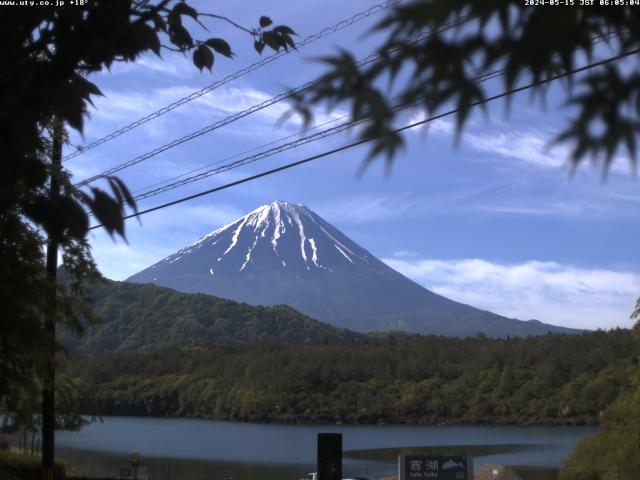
<point x="151" y="12"/>
<point x="220" y="17"/>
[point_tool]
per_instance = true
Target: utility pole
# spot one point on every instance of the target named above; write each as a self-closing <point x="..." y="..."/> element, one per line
<point x="48" y="392"/>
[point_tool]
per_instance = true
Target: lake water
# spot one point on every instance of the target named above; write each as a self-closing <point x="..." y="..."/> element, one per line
<point x="202" y="449"/>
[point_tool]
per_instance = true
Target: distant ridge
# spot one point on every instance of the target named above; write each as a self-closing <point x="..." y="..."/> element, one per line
<point x="284" y="253"/>
<point x="148" y="317"/>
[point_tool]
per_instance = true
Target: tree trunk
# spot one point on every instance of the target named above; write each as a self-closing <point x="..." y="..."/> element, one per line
<point x="48" y="393"/>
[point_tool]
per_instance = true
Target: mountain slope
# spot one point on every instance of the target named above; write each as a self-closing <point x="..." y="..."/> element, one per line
<point x="286" y="254"/>
<point x="146" y="317"/>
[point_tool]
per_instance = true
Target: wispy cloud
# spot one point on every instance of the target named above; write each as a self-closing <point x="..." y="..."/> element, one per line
<point x="513" y="141"/>
<point x="224" y="100"/>
<point x="528" y="145"/>
<point x="365" y="208"/>
<point x="404" y="253"/>
<point x="547" y="291"/>
<point x="535" y="147"/>
<point x="438" y="127"/>
<point x="176" y="66"/>
<point x="118" y="108"/>
<point x="547" y="209"/>
<point x="625" y="197"/>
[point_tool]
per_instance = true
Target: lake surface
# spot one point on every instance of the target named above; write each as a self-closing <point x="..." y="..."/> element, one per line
<point x="202" y="449"/>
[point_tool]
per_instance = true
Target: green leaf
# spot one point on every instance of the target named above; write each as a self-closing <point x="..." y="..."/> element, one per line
<point x="121" y="191"/>
<point x="74" y="216"/>
<point x="283" y="29"/>
<point x="220" y="46"/>
<point x="147" y="38"/>
<point x="180" y="37"/>
<point x="158" y="22"/>
<point x="259" y="46"/>
<point x="107" y="212"/>
<point x="202" y="57"/>
<point x="265" y="21"/>
<point x="185" y="9"/>
<point x="87" y="87"/>
<point x="272" y="40"/>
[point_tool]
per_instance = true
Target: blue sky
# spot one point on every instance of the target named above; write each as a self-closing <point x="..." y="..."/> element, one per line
<point x="496" y="222"/>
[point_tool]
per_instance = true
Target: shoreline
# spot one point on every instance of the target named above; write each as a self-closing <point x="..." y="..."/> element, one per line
<point x="310" y="421"/>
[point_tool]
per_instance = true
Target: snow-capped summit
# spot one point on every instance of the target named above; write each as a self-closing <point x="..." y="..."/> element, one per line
<point x="280" y="234"/>
<point x="283" y="253"/>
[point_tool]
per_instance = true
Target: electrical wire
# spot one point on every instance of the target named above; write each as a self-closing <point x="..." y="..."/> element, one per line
<point x="206" y="170"/>
<point x="239" y="115"/>
<point x="265" y="104"/>
<point x="240" y="73"/>
<point x="178" y="181"/>
<point x="368" y="139"/>
<point x="236" y="155"/>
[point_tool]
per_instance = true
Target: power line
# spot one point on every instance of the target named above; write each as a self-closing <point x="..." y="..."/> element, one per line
<point x="168" y="185"/>
<point x="243" y="113"/>
<point x="267" y="103"/>
<point x="368" y="139"/>
<point x="236" y="155"/>
<point x="239" y="115"/>
<point x="179" y="182"/>
<point x="240" y="73"/>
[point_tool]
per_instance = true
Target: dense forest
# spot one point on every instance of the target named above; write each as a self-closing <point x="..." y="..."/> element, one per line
<point x="551" y="379"/>
<point x="146" y="317"/>
<point x="612" y="453"/>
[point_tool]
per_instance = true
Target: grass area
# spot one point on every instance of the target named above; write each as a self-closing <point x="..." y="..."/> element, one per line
<point x="17" y="466"/>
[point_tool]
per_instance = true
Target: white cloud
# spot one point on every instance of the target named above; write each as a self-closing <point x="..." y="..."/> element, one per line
<point x="547" y="291"/>
<point x="526" y="144"/>
<point x="224" y="100"/>
<point x="172" y="65"/>
<point x="534" y="147"/>
<point x="546" y="208"/>
<point x="176" y="66"/>
<point x="365" y="208"/>
<point x="439" y="126"/>
<point x="118" y="108"/>
<point x="404" y="253"/>
<point x="626" y="198"/>
<point x="530" y="146"/>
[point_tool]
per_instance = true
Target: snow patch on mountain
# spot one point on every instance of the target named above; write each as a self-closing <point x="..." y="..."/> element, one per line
<point x="234" y="238"/>
<point x="272" y="223"/>
<point x="314" y="256"/>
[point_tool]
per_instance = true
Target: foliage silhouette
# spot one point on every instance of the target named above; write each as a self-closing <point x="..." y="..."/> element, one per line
<point x="468" y="40"/>
<point x="47" y="55"/>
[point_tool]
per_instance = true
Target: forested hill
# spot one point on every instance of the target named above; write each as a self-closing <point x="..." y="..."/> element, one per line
<point x="144" y="317"/>
<point x="551" y="379"/>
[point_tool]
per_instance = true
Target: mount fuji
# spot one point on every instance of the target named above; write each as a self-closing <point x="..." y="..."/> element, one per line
<point x="284" y="253"/>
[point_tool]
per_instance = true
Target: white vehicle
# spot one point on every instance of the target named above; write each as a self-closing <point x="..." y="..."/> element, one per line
<point x="314" y="476"/>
